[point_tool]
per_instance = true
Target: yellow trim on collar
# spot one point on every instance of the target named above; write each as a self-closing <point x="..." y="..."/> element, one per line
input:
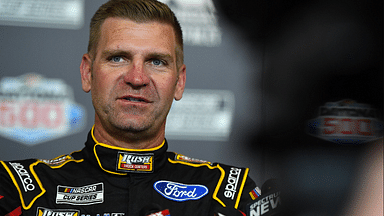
<point x="117" y="148"/>
<point x="99" y="162"/>
<point x="124" y="149"/>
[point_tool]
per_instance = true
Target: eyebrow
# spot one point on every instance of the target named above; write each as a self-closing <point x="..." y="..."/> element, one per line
<point x="108" y="53"/>
<point x="149" y="55"/>
<point x="157" y="55"/>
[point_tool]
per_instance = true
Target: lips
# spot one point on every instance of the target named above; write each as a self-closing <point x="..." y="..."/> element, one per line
<point x="134" y="99"/>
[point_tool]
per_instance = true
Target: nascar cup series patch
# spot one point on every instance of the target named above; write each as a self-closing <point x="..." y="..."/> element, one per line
<point x="84" y="195"/>
<point x="135" y="162"/>
<point x="34" y="109"/>
<point x="180" y="192"/>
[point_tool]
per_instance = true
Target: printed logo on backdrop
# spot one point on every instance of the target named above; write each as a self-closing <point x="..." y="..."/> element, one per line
<point x="198" y="20"/>
<point x="201" y="114"/>
<point x="34" y="109"/>
<point x="346" y="122"/>
<point x="64" y="14"/>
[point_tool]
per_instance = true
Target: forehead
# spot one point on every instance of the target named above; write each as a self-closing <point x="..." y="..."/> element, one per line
<point x="123" y="33"/>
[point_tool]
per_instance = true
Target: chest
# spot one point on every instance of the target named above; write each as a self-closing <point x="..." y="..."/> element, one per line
<point x="97" y="193"/>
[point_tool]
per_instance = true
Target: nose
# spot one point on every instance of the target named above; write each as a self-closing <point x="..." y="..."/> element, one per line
<point x="136" y="75"/>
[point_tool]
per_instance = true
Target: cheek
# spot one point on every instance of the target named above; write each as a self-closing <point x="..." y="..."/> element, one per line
<point x="166" y="86"/>
<point x="101" y="87"/>
<point x="102" y="78"/>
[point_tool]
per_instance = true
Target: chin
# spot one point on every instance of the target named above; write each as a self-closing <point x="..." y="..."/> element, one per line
<point x="131" y="127"/>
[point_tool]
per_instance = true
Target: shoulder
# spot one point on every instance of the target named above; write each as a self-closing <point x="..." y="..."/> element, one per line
<point x="226" y="170"/>
<point x="177" y="158"/>
<point x="21" y="174"/>
<point x="232" y="185"/>
<point x="62" y="160"/>
<point x="27" y="175"/>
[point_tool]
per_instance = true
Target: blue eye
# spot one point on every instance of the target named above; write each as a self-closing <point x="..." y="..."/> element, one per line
<point x="156" y="62"/>
<point x="116" y="59"/>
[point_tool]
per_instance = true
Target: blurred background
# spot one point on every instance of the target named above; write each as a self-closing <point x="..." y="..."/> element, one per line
<point x="291" y="89"/>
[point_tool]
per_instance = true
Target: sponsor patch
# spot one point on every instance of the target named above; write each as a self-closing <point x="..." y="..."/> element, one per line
<point x="26" y="182"/>
<point x="26" y="178"/>
<point x="255" y="193"/>
<point x="133" y="162"/>
<point x="180" y="157"/>
<point x="161" y="213"/>
<point x="268" y="205"/>
<point x="180" y="192"/>
<point x="85" y="195"/>
<point x="101" y="214"/>
<point x="57" y="212"/>
<point x="233" y="180"/>
<point x="58" y="160"/>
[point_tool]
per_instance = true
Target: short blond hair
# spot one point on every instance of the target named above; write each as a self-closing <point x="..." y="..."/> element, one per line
<point x="138" y="11"/>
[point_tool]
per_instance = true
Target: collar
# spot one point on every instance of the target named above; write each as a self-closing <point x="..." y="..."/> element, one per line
<point x="122" y="161"/>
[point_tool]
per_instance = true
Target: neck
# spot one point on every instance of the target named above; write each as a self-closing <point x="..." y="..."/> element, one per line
<point x="127" y="139"/>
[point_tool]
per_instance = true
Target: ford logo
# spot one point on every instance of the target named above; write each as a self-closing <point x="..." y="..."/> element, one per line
<point x="180" y="192"/>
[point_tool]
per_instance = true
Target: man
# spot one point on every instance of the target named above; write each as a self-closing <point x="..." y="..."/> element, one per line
<point x="133" y="69"/>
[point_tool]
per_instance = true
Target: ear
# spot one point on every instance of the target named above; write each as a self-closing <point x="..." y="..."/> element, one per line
<point x="86" y="72"/>
<point x="180" y="85"/>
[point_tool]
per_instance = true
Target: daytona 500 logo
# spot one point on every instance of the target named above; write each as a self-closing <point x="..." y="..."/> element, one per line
<point x="346" y="122"/>
<point x="34" y="109"/>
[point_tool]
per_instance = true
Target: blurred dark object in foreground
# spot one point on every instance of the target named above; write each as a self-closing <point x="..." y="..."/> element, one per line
<point x="314" y="52"/>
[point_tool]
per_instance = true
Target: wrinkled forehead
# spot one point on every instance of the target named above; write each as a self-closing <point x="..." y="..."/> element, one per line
<point x="120" y="32"/>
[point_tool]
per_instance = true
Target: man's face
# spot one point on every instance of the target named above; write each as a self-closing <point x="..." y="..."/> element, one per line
<point x="133" y="77"/>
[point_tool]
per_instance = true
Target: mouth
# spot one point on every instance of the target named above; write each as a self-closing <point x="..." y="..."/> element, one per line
<point x="134" y="99"/>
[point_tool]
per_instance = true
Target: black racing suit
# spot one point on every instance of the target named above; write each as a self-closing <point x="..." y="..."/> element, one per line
<point x="101" y="180"/>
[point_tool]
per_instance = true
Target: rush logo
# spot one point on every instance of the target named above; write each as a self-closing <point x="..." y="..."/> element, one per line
<point x="132" y="162"/>
<point x="56" y="212"/>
